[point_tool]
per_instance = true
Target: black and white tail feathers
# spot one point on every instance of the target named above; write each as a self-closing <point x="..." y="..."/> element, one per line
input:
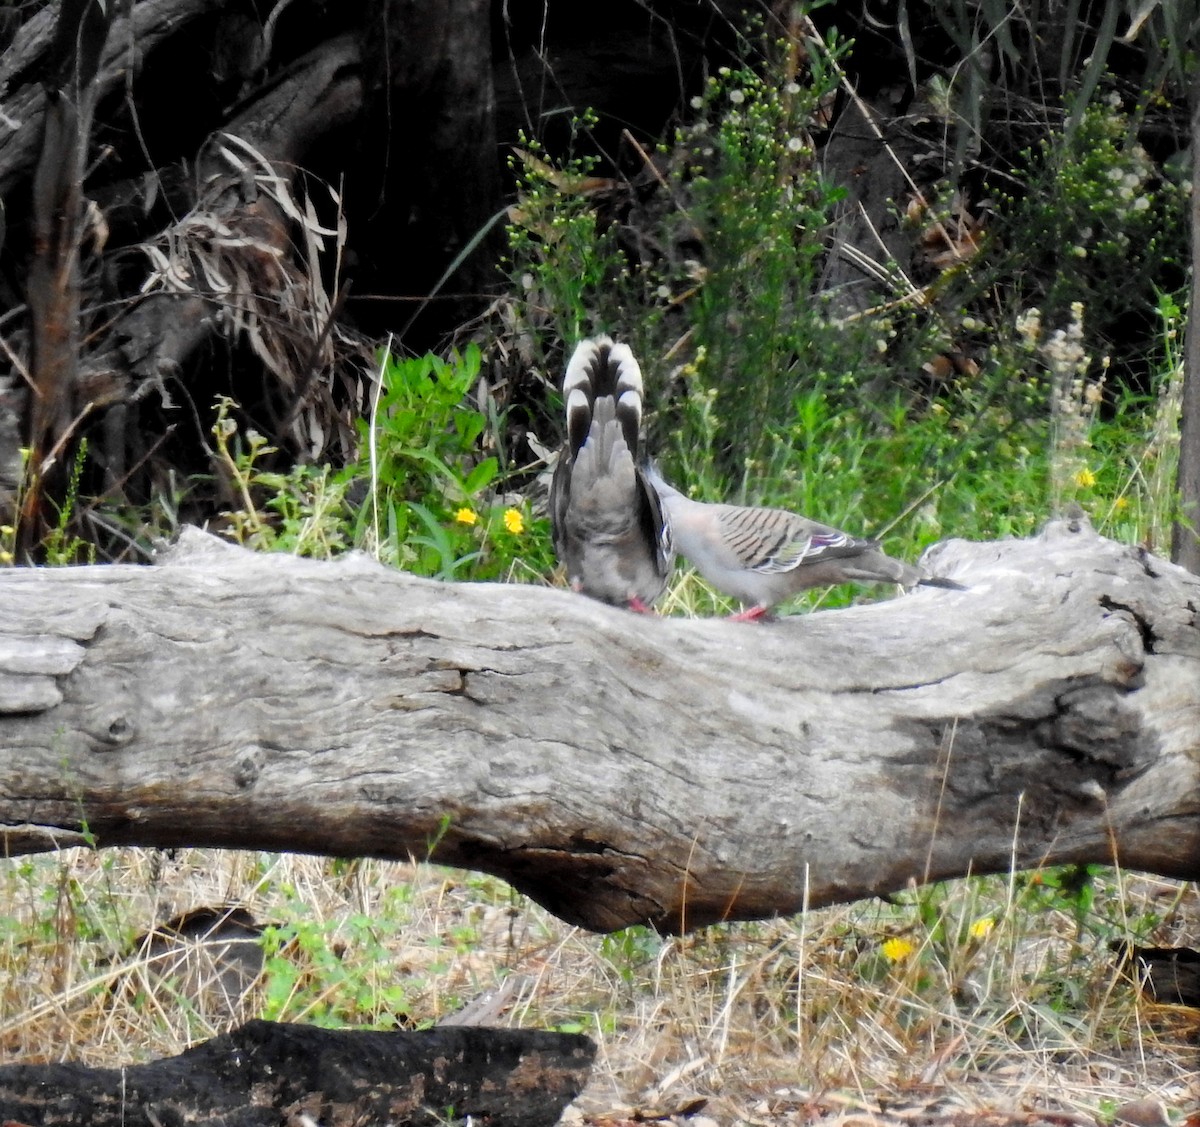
<point x="602" y="369"/>
<point x="609" y="529"/>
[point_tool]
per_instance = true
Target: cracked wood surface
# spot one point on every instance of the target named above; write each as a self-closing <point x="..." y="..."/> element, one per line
<point x="617" y="768"/>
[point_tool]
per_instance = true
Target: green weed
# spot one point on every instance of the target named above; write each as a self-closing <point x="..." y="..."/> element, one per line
<point x="302" y="512"/>
<point x="433" y="507"/>
<point x="60" y="547"/>
<point x="564" y="262"/>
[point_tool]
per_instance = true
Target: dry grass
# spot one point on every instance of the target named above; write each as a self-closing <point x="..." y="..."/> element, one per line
<point x="981" y="992"/>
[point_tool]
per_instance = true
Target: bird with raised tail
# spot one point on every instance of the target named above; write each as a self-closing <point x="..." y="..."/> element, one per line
<point x="762" y="556"/>
<point x="609" y="529"/>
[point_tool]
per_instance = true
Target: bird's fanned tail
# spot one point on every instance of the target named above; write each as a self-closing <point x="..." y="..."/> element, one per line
<point x="602" y="369"/>
<point x="609" y="528"/>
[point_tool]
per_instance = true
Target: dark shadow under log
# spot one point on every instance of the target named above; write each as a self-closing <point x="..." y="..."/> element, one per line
<point x="265" y="1074"/>
<point x="618" y="768"/>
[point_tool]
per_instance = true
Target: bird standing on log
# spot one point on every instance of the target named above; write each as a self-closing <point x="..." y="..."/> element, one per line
<point x="762" y="556"/>
<point x="609" y="529"/>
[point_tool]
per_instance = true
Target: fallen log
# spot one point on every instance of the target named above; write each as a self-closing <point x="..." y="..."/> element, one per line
<point x="268" y="1073"/>
<point x="617" y="768"/>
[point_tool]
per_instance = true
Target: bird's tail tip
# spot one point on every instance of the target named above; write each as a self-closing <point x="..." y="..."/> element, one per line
<point x="603" y="368"/>
<point x="657" y="482"/>
<point x="943" y="582"/>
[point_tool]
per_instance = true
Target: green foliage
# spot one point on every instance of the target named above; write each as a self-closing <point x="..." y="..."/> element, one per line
<point x="1094" y="222"/>
<point x="566" y="264"/>
<point x="760" y="210"/>
<point x="60" y="546"/>
<point x="961" y="944"/>
<point x="1134" y="452"/>
<point x="302" y="512"/>
<point x="433" y="509"/>
<point x="335" y="975"/>
<point x="630" y="949"/>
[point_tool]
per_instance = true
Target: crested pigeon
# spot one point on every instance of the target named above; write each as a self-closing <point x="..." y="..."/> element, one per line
<point x="762" y="556"/>
<point x="609" y="529"/>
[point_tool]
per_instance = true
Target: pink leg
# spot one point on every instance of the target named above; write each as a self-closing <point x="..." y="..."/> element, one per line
<point x="754" y="614"/>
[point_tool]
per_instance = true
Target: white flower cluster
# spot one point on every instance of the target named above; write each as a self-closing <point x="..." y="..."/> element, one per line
<point x="1074" y="400"/>
<point x="1029" y="326"/>
<point x="1129" y="179"/>
<point x="1064" y="353"/>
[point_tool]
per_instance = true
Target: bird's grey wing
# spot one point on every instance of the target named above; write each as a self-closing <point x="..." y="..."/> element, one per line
<point x="773" y="541"/>
<point x="560" y="500"/>
<point x="655" y="526"/>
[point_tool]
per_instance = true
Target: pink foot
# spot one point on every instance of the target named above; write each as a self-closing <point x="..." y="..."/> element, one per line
<point x="636" y="604"/>
<point x="754" y="614"/>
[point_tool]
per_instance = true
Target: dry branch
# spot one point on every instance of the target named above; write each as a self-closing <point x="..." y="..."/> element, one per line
<point x="617" y="768"/>
<point x="227" y="263"/>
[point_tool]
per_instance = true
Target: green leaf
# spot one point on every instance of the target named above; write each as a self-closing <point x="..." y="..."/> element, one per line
<point x="480" y="477"/>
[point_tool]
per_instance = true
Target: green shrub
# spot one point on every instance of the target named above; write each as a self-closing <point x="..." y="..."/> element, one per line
<point x="432" y="507"/>
<point x="431" y="502"/>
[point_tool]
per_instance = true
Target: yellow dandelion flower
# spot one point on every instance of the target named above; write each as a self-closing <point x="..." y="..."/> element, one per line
<point x="466" y="516"/>
<point x="982" y="927"/>
<point x="896" y="950"/>
<point x="1085" y="479"/>
<point x="1121" y="504"/>
<point x="513" y="521"/>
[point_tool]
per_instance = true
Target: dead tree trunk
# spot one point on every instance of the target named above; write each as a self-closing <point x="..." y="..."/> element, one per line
<point x="430" y="64"/>
<point x="53" y="288"/>
<point x="616" y="768"/>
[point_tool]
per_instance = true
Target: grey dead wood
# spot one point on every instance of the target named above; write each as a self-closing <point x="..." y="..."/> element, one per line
<point x="616" y="767"/>
<point x="264" y="1074"/>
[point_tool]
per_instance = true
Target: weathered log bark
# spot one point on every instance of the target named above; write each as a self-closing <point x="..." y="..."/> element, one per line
<point x="264" y="1073"/>
<point x="616" y="768"/>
